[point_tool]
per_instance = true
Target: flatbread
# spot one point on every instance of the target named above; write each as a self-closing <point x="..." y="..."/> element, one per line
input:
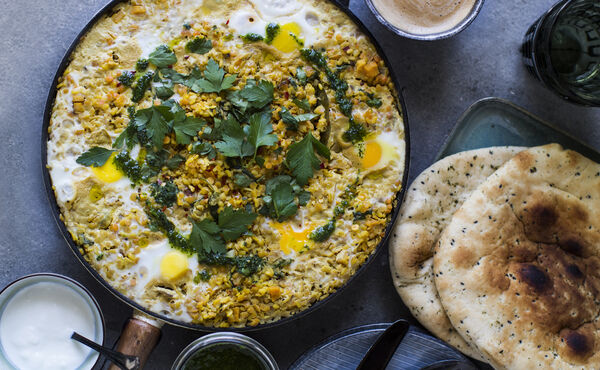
<point x="518" y="267"/>
<point x="430" y="202"/>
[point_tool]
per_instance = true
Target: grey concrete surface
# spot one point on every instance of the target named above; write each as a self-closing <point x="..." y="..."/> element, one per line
<point x="439" y="81"/>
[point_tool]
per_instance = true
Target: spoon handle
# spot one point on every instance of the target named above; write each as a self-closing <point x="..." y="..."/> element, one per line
<point x="124" y="362"/>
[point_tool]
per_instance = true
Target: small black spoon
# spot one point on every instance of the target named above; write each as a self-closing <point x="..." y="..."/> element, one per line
<point x="123" y="361"/>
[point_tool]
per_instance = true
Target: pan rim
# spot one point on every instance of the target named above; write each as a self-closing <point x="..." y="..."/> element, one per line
<point x="55" y="209"/>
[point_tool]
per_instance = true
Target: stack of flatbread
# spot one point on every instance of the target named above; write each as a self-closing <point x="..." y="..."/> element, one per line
<point x="497" y="252"/>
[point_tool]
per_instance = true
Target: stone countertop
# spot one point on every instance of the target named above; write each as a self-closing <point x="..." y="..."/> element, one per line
<point x="439" y="81"/>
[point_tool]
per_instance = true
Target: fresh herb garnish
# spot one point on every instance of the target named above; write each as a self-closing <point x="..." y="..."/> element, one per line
<point x="163" y="56"/>
<point x="301" y="76"/>
<point x="238" y="141"/>
<point x="280" y="199"/>
<point x="214" y="79"/>
<point x="186" y="127"/>
<point x="242" y="180"/>
<point x="126" y="78"/>
<point x="155" y="120"/>
<point x="164" y="91"/>
<point x="302" y="104"/>
<point x="204" y="148"/>
<point x="172" y="75"/>
<point x="174" y="162"/>
<point x="292" y="121"/>
<point x="260" y="131"/>
<point x="95" y="157"/>
<point x="164" y="194"/>
<point x="142" y="85"/>
<point x="301" y="158"/>
<point x="199" y="45"/>
<point x="234" y="223"/>
<point x="205" y="237"/>
<point x="206" y="241"/>
<point x="234" y="143"/>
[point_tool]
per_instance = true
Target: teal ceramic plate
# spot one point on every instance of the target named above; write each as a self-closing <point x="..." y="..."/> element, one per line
<point x="497" y="122"/>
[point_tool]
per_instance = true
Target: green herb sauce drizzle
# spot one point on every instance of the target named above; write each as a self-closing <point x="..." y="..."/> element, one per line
<point x="356" y="131"/>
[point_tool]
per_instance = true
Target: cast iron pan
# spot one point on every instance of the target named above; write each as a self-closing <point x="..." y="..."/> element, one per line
<point x="142" y="331"/>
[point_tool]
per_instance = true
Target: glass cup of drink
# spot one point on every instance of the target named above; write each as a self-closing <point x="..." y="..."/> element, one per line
<point x="423" y="19"/>
<point x="562" y="50"/>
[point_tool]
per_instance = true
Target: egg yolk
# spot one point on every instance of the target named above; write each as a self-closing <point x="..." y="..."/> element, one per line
<point x="372" y="154"/>
<point x="173" y="265"/>
<point x="292" y="239"/>
<point x="287" y="38"/>
<point x="108" y="172"/>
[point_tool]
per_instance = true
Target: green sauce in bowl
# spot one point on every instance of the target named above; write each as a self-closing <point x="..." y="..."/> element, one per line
<point x="224" y="356"/>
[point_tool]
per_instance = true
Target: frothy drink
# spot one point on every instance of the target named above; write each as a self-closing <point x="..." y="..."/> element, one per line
<point x="424" y="17"/>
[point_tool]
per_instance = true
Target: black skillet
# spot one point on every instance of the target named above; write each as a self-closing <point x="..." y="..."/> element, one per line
<point x="142" y="331"/>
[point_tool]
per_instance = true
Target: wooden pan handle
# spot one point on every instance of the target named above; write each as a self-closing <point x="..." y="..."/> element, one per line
<point x="137" y="339"/>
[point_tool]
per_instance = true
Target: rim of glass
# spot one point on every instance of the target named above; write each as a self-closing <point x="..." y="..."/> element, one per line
<point x="431" y="36"/>
<point x="225" y="338"/>
<point x="6" y="294"/>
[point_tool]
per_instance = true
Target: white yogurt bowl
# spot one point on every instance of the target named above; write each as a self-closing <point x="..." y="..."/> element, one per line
<point x="38" y="314"/>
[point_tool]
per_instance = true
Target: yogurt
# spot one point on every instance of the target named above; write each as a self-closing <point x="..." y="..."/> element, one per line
<point x="36" y="326"/>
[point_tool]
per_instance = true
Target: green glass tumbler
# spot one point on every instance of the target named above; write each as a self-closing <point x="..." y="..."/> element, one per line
<point x="562" y="50"/>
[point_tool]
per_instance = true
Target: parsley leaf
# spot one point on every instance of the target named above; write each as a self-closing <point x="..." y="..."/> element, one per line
<point x="242" y="180"/>
<point x="301" y="76"/>
<point x="260" y="132"/>
<point x="258" y="94"/>
<point x="164" y="91"/>
<point x="279" y="201"/>
<point x="214" y="79"/>
<point x="234" y="142"/>
<point x="301" y="158"/>
<point x="186" y="127"/>
<point x="173" y="75"/>
<point x="95" y="157"/>
<point x="156" y="122"/>
<point x="174" y="162"/>
<point x="284" y="203"/>
<point x="302" y="104"/>
<point x="292" y="122"/>
<point x="199" y="45"/>
<point x="234" y="223"/>
<point x="205" y="237"/>
<point x="204" y="148"/>
<point x="163" y="56"/>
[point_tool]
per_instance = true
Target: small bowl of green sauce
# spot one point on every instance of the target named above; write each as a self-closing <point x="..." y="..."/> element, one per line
<point x="225" y="351"/>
